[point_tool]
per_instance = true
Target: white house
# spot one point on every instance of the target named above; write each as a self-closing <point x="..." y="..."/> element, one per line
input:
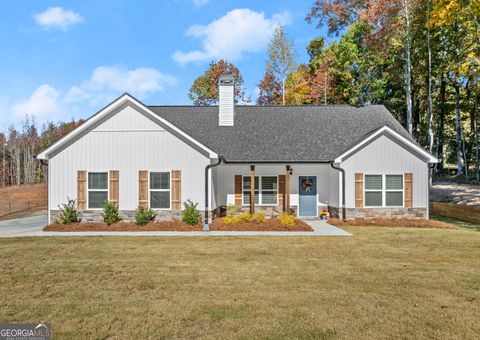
<point x="353" y="161"/>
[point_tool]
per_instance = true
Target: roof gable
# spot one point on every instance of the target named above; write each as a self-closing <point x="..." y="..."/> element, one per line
<point x="111" y="110"/>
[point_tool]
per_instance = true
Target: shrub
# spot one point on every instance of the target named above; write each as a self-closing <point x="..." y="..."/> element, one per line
<point x="259" y="217"/>
<point x="245" y="217"/>
<point x="110" y="213"/>
<point x="68" y="213"/>
<point x="232" y="210"/>
<point x="144" y="215"/>
<point x="286" y="219"/>
<point x="232" y="220"/>
<point x="190" y="213"/>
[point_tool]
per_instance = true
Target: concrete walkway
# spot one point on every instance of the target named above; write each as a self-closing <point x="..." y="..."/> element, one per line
<point x="32" y="226"/>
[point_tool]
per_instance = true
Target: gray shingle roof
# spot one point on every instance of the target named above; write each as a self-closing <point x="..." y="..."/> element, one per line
<point x="281" y="133"/>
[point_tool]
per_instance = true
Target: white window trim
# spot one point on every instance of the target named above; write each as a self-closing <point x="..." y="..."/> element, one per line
<point x="384" y="191"/>
<point x="260" y="198"/>
<point x="88" y="190"/>
<point x="161" y="190"/>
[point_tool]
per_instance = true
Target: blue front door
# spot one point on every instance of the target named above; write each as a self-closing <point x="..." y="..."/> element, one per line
<point x="307" y="195"/>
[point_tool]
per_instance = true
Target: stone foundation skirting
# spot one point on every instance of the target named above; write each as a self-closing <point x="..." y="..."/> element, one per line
<point x="125" y="215"/>
<point x="369" y="213"/>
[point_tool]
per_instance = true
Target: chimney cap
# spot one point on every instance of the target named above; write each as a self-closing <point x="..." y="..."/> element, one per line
<point x="226" y="80"/>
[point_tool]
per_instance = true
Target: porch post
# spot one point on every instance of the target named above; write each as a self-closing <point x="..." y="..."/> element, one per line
<point x="287" y="189"/>
<point x="252" y="189"/>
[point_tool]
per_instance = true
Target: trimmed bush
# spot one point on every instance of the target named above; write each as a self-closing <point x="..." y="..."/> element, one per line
<point x="110" y="213"/>
<point x="259" y="217"/>
<point x="232" y="220"/>
<point x="232" y="210"/>
<point x="286" y="219"/>
<point x="190" y="213"/>
<point x="144" y="215"/>
<point x="68" y="213"/>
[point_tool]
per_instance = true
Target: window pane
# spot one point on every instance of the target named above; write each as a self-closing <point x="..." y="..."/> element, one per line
<point x="373" y="182"/>
<point x="269" y="197"/>
<point x="160" y="199"/>
<point x="159" y="180"/>
<point x="246" y="197"/>
<point x="373" y="198"/>
<point x="246" y="182"/>
<point x="269" y="183"/>
<point x="96" y="199"/>
<point x="97" y="180"/>
<point x="394" y="182"/>
<point x="393" y="199"/>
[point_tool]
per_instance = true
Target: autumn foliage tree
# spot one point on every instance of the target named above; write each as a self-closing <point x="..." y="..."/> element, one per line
<point x="204" y="90"/>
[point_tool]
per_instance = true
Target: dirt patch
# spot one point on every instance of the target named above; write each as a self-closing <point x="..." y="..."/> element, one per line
<point x="270" y="225"/>
<point x="21" y="198"/>
<point x="393" y="223"/>
<point x="448" y="192"/>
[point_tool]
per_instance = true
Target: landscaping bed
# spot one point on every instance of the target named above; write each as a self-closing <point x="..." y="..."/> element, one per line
<point x="393" y="223"/>
<point x="272" y="224"/>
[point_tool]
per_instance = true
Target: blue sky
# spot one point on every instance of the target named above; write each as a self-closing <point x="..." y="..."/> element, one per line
<point x="66" y="59"/>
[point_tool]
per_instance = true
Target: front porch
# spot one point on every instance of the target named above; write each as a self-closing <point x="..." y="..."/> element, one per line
<point x="306" y="189"/>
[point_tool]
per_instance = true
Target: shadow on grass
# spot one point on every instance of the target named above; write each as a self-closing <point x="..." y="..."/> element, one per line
<point x="458" y="223"/>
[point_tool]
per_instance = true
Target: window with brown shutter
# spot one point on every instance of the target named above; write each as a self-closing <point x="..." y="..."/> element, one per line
<point x="238" y="190"/>
<point x="281" y="190"/>
<point x="408" y="185"/>
<point x="359" y="190"/>
<point x="113" y="189"/>
<point x="81" y="189"/>
<point x="143" y="188"/>
<point x="176" y="190"/>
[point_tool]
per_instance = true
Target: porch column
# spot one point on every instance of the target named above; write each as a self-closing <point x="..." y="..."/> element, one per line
<point x="252" y="189"/>
<point x="287" y="189"/>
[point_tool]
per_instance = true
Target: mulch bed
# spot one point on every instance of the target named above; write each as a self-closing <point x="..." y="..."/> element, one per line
<point x="392" y="223"/>
<point x="270" y="225"/>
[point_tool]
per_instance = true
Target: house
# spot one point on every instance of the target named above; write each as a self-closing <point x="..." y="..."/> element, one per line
<point x="357" y="162"/>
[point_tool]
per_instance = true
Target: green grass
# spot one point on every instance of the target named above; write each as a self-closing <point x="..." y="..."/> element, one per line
<point x="380" y="283"/>
<point x="458" y="223"/>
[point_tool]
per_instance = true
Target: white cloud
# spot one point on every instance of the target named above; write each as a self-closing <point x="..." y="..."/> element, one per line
<point x="199" y="3"/>
<point x="57" y="17"/>
<point x="238" y="32"/>
<point x="43" y="102"/>
<point x="108" y="82"/>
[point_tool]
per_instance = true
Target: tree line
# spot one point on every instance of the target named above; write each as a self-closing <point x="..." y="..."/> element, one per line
<point x="419" y="58"/>
<point x="18" y="148"/>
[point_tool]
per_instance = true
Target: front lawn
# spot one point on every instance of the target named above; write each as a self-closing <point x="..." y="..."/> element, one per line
<point x="382" y="282"/>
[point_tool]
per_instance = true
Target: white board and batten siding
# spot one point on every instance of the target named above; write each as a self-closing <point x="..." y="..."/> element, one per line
<point x="127" y="142"/>
<point x="327" y="181"/>
<point x="383" y="156"/>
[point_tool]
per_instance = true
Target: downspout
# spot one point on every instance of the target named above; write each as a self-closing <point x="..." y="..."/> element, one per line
<point x="207" y="191"/>
<point x="343" y="188"/>
<point x="429" y="186"/>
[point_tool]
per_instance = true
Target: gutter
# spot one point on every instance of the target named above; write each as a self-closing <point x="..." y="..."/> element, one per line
<point x="343" y="188"/>
<point x="42" y="161"/>
<point x="208" y="167"/>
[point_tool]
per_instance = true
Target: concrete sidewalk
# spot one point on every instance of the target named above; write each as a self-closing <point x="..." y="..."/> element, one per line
<point x="32" y="226"/>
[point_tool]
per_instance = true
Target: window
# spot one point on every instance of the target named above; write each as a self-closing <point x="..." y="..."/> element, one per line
<point x="160" y="190"/>
<point x="383" y="190"/>
<point x="97" y="189"/>
<point x="266" y="190"/>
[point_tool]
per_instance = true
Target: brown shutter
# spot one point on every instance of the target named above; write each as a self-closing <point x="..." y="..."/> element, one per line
<point x="176" y="190"/>
<point x="143" y="188"/>
<point x="359" y="190"/>
<point x="408" y="194"/>
<point x="82" y="189"/>
<point x="113" y="189"/>
<point x="238" y="190"/>
<point x="281" y="190"/>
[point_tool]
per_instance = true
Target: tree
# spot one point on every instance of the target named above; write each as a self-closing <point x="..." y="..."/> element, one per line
<point x="270" y="90"/>
<point x="281" y="58"/>
<point x="204" y="90"/>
